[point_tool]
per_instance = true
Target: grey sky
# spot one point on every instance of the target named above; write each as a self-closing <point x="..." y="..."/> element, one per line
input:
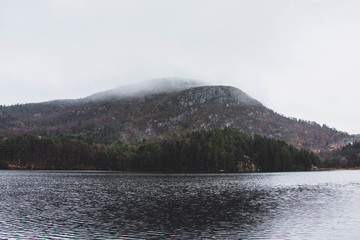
<point x="300" y="58"/>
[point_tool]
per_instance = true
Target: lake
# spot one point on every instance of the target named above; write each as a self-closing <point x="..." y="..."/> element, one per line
<point x="114" y="205"/>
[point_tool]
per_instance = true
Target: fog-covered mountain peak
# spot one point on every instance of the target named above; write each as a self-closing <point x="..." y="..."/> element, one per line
<point x="153" y="86"/>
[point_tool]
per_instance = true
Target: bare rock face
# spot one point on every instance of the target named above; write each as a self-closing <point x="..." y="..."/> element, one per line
<point x="247" y="166"/>
<point x="220" y="94"/>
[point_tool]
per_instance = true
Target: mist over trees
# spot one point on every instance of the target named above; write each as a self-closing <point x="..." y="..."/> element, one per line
<point x="225" y="150"/>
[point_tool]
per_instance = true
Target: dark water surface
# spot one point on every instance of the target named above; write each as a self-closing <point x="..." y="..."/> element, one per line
<point x="110" y="205"/>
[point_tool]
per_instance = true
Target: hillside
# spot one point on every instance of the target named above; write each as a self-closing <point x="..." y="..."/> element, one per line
<point x="347" y="157"/>
<point x="154" y="113"/>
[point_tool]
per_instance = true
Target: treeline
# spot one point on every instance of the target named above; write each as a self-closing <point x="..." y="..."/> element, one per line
<point x="214" y="150"/>
<point x="61" y="152"/>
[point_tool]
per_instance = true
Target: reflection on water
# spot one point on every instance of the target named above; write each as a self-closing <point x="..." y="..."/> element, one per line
<point x="103" y="205"/>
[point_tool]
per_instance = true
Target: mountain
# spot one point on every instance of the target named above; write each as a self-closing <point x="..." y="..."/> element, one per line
<point x="153" y="110"/>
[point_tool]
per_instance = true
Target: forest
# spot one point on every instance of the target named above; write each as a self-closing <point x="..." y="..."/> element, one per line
<point x="347" y="157"/>
<point x="215" y="150"/>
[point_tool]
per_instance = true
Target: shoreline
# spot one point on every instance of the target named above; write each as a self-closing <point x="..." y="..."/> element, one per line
<point x="25" y="168"/>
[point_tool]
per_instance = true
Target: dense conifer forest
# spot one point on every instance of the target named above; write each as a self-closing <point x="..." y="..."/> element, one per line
<point x="224" y="150"/>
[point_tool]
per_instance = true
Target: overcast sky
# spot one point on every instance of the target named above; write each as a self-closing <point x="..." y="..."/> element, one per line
<point x="299" y="58"/>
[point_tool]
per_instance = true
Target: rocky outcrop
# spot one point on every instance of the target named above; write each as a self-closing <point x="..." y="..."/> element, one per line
<point x="247" y="166"/>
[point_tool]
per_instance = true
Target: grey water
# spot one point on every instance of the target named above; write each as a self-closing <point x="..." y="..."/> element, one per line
<point x="114" y="205"/>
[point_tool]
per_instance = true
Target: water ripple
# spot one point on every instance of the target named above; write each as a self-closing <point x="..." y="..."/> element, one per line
<point x="98" y="205"/>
